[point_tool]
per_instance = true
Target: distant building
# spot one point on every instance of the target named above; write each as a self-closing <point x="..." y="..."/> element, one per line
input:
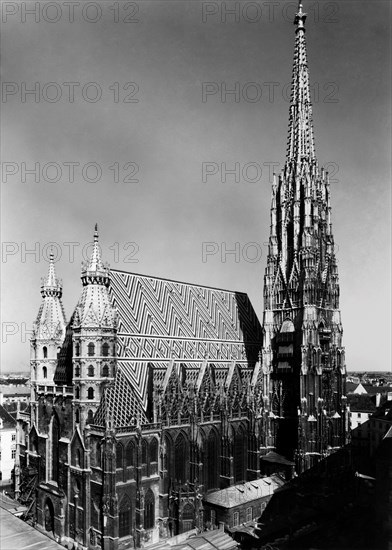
<point x="7" y="446"/>
<point x="14" y="393"/>
<point x="362" y="406"/>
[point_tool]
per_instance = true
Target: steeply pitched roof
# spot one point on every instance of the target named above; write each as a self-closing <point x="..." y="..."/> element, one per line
<point x="8" y="421"/>
<point x="161" y="320"/>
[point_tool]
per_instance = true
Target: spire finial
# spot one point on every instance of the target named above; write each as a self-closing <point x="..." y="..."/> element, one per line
<point x="51" y="285"/>
<point x="301" y="139"/>
<point x="300" y="18"/>
<point x="94" y="270"/>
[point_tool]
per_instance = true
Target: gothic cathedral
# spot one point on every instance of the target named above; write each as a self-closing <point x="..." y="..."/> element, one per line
<point x="158" y="393"/>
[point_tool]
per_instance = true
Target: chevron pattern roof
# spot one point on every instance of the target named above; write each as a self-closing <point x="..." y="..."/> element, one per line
<point x="162" y="320"/>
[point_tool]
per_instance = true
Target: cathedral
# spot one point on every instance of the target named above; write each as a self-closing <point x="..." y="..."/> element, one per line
<point x="157" y="394"/>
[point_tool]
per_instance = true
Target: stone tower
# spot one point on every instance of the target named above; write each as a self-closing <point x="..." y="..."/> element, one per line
<point x="94" y="338"/>
<point x="302" y="349"/>
<point x="48" y="331"/>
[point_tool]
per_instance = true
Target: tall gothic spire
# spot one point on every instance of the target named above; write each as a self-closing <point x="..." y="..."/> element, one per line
<point x="301" y="139"/>
<point x="302" y="347"/>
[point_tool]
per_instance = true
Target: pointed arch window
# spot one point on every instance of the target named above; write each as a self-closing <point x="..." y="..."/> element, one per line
<point x="124" y="518"/>
<point x="105" y="371"/>
<point x="99" y="454"/>
<point x="213" y="461"/>
<point x="91" y="349"/>
<point x="144" y="451"/>
<point x="130" y="454"/>
<point x="45" y="372"/>
<point x="77" y="392"/>
<point x="77" y="349"/>
<point x="90" y="370"/>
<point x="105" y="349"/>
<point x="188" y="517"/>
<point x="45" y="352"/>
<point x="240" y="452"/>
<point x="149" y="510"/>
<point x="55" y="448"/>
<point x="90" y="417"/>
<point x="180" y="458"/>
<point x="154" y="450"/>
<point x="90" y="393"/>
<point x="119" y="455"/>
<point x="77" y="371"/>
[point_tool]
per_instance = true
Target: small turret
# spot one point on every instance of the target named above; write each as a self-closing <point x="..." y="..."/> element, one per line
<point x="48" y="329"/>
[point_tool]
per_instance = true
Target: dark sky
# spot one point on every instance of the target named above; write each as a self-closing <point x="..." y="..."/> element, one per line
<point x="168" y="51"/>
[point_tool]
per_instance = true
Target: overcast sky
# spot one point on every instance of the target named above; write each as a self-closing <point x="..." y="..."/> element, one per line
<point x="162" y="53"/>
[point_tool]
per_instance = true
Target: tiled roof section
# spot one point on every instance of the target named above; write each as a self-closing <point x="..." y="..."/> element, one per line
<point x="161" y="320"/>
<point x="8" y="421"/>
<point x="242" y="493"/>
<point x="208" y="540"/>
<point x="120" y="404"/>
<point x="184" y="314"/>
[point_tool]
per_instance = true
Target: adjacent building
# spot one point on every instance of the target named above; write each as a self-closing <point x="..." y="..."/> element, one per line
<point x="7" y="446"/>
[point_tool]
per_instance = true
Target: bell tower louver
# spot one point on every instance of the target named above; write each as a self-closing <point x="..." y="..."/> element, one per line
<point x="302" y="349"/>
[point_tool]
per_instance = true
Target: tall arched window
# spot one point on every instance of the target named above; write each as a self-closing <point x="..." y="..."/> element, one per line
<point x="77" y="371"/>
<point x="130" y="454"/>
<point x="105" y="371"/>
<point x="45" y="352"/>
<point x="91" y="349"/>
<point x="99" y="453"/>
<point x="90" y="417"/>
<point x="240" y="452"/>
<point x="90" y="393"/>
<point x="144" y="451"/>
<point x="149" y="510"/>
<point x="188" y="517"/>
<point x="45" y="372"/>
<point x="55" y="448"/>
<point x="119" y="455"/>
<point x="77" y="392"/>
<point x="181" y="458"/>
<point x="77" y="349"/>
<point x="213" y="461"/>
<point x="105" y="349"/>
<point x="90" y="370"/>
<point x="154" y="450"/>
<point x="77" y="416"/>
<point x="124" y="518"/>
